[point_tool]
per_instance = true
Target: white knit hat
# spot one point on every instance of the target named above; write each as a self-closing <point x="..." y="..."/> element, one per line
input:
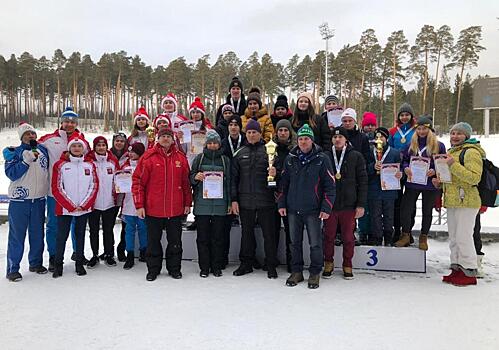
<point x="80" y="141"/>
<point x="349" y="112"/>
<point x="24" y="128"/>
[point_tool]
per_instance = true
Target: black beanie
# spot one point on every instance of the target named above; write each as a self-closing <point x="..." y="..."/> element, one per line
<point x="383" y="131"/>
<point x="235" y="118"/>
<point x="254" y="95"/>
<point x="339" y="130"/>
<point x="282" y="101"/>
<point x="426" y="120"/>
<point x="235" y="82"/>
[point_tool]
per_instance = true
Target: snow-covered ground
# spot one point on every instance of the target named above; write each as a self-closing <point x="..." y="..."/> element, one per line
<point x="111" y="308"/>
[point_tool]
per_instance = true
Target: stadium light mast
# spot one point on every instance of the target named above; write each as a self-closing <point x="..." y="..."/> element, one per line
<point x="326" y="34"/>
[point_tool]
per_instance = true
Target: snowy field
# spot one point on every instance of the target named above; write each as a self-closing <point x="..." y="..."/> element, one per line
<point x="111" y="308"/>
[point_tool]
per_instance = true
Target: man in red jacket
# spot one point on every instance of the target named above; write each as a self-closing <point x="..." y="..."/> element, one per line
<point x="162" y="195"/>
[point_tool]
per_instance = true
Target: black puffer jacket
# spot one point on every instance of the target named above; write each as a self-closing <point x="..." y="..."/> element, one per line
<point x="351" y="189"/>
<point x="359" y="141"/>
<point x="240" y="110"/>
<point x="322" y="134"/>
<point x="307" y="186"/>
<point x="249" y="177"/>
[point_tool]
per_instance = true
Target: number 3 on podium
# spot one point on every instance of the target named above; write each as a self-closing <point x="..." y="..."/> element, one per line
<point x="373" y="255"/>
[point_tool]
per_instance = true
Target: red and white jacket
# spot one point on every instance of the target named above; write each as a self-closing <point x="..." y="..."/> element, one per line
<point x="106" y="166"/>
<point x="128" y="204"/>
<point x="160" y="183"/>
<point x="56" y="144"/>
<point x="74" y="184"/>
<point x="142" y="138"/>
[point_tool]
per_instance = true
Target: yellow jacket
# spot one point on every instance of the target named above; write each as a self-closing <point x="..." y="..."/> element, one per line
<point x="263" y="119"/>
<point x="463" y="191"/>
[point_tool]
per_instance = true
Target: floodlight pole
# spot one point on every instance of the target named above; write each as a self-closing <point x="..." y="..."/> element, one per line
<point x="326" y="34"/>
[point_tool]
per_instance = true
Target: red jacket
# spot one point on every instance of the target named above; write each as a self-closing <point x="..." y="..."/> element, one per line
<point x="160" y="183"/>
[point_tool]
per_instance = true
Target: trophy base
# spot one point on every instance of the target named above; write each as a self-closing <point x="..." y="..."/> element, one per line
<point x="271" y="184"/>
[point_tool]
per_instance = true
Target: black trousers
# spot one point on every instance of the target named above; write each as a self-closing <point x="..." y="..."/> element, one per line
<point x="266" y="219"/>
<point x="477" y="237"/>
<point x="108" y="220"/>
<point x="278" y="226"/>
<point x="226" y="237"/>
<point x="408" y="209"/>
<point x="210" y="241"/>
<point x="122" y="245"/>
<point x="154" y="252"/>
<point x="63" y="227"/>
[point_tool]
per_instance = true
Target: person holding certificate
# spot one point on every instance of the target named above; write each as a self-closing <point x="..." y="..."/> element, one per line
<point x="210" y="180"/>
<point x="349" y="170"/>
<point x="382" y="198"/>
<point x="423" y="146"/>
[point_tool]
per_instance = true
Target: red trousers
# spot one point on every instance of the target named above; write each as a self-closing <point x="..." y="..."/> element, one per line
<point x="345" y="220"/>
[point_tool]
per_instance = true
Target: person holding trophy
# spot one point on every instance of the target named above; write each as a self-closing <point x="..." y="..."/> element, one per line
<point x="142" y="132"/>
<point x="252" y="198"/>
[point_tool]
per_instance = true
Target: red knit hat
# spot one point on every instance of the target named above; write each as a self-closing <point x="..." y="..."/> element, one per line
<point x="170" y="97"/>
<point x="197" y="105"/>
<point x="162" y="117"/>
<point x="369" y="118"/>
<point x="141" y="113"/>
<point x="100" y="139"/>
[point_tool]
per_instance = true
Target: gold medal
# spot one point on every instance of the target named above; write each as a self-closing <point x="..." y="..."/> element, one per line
<point x="338" y="176"/>
<point x="403" y="140"/>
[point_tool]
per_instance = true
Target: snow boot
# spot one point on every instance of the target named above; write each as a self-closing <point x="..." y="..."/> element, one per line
<point x="347" y="273"/>
<point x="328" y="269"/>
<point x="294" y="279"/>
<point x="480" y="273"/>
<point x="130" y="261"/>
<point x="462" y="280"/>
<point x="271" y="272"/>
<point x="313" y="281"/>
<point x="450" y="277"/>
<point x="404" y="241"/>
<point x="423" y="241"/>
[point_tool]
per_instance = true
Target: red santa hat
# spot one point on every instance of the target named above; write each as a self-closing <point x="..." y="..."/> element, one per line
<point x="141" y="113"/>
<point x="170" y="97"/>
<point x="197" y="105"/>
<point x="162" y="117"/>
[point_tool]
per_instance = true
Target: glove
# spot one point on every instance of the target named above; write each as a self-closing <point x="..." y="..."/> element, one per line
<point x="29" y="157"/>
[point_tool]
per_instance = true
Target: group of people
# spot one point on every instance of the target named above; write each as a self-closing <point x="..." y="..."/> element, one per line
<point x="326" y="172"/>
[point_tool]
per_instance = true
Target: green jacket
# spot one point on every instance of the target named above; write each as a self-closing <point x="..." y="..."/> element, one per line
<point x="463" y="191"/>
<point x="210" y="161"/>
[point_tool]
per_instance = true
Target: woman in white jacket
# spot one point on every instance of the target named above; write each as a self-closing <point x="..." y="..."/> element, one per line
<point x="75" y="186"/>
<point x="105" y="208"/>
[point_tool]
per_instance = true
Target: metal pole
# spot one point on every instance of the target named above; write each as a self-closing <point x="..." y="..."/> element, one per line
<point x="486" y="122"/>
<point x="326" y="80"/>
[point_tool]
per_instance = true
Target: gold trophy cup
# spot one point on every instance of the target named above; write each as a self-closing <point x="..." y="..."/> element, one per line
<point x="271" y="149"/>
<point x="379" y="149"/>
<point x="151" y="134"/>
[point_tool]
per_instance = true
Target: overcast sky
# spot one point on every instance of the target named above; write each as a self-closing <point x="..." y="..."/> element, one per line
<point x="160" y="31"/>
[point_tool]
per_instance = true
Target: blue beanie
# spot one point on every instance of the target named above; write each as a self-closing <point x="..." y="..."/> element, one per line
<point x="69" y="113"/>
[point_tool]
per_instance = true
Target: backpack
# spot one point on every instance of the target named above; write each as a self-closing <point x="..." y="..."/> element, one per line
<point x="488" y="187"/>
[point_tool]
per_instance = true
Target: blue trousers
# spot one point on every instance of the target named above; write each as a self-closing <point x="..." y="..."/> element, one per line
<point x="25" y="215"/>
<point x="135" y="225"/>
<point x="51" y="231"/>
<point x="315" y="237"/>
<point x="64" y="222"/>
<point x="364" y="225"/>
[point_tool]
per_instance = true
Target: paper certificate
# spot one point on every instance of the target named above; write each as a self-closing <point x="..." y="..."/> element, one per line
<point x="442" y="168"/>
<point x="186" y="127"/>
<point x="198" y="139"/>
<point x="213" y="185"/>
<point x="123" y="182"/>
<point x="419" y="167"/>
<point x="388" y="173"/>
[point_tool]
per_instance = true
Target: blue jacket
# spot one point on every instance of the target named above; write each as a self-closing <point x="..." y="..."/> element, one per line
<point x="395" y="140"/>
<point x="28" y="180"/>
<point x="374" y="187"/>
<point x="307" y="183"/>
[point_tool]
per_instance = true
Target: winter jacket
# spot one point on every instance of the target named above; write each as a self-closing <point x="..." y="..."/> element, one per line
<point x="351" y="189"/>
<point x="160" y="183"/>
<point x="121" y="159"/>
<point x="210" y="161"/>
<point x="283" y="150"/>
<point x="56" y="144"/>
<point x="227" y="150"/>
<point x="222" y="128"/>
<point x="374" y="184"/>
<point x="275" y="119"/>
<point x="322" y="133"/>
<point x="395" y="139"/>
<point x="406" y="160"/>
<point x="307" y="185"/>
<point x="106" y="166"/>
<point x="128" y="207"/>
<point x="74" y="184"/>
<point x="239" y="108"/>
<point x="29" y="179"/>
<point x="359" y="141"/>
<point x="249" y="177"/>
<point x="463" y="191"/>
<point x="263" y="119"/>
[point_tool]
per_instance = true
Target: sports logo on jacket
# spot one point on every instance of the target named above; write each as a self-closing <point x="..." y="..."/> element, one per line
<point x="177" y="164"/>
<point x="20" y="193"/>
<point x="87" y="172"/>
<point x="109" y="171"/>
<point x="44" y="162"/>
